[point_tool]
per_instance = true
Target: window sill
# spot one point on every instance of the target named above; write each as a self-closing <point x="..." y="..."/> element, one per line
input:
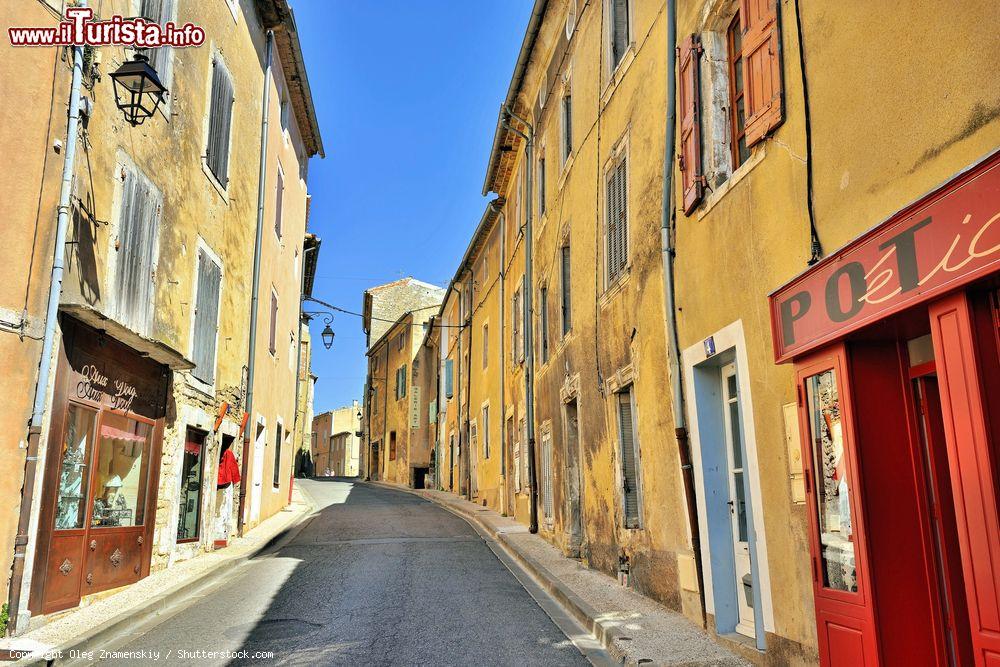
<point x="215" y="182"/>
<point x="713" y="199"/>
<point x="617" y="74"/>
<point x="615" y="288"/>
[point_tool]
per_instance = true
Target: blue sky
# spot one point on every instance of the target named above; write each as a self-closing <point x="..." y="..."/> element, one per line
<point x="407" y="94"/>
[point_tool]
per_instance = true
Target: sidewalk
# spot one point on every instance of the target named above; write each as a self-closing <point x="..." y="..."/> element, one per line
<point x="106" y="620"/>
<point x="632" y="628"/>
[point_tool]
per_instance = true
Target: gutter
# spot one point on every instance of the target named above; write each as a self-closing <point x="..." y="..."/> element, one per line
<point x="18" y="622"/>
<point x="669" y="251"/>
<point x="255" y="287"/>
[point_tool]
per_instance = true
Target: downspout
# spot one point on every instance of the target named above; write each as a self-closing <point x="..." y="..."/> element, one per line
<point x="673" y="345"/>
<point x="529" y="343"/>
<point x="383" y="446"/>
<point x="48" y="343"/>
<point x="298" y="354"/>
<point x="468" y="390"/>
<point x="255" y="287"/>
<point x="503" y="360"/>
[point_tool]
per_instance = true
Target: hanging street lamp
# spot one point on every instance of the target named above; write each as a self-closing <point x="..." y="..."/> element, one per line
<point x="327" y="334"/>
<point x="138" y="90"/>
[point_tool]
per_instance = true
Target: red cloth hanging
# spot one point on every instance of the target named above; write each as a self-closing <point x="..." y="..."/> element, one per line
<point x="229" y="469"/>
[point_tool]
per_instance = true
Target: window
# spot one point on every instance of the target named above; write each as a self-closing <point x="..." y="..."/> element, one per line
<point x="392" y="445"/>
<point x="543" y="322"/>
<point x="279" y="195"/>
<point x="278" y="440"/>
<point x="522" y="209"/>
<point x="547" y="500"/>
<point x="136" y="251"/>
<point x="619" y="27"/>
<point x="567" y="126"/>
<point x="189" y="502"/>
<point x="206" y="317"/>
<point x="567" y="313"/>
<point x="400" y="341"/>
<point x="629" y="457"/>
<point x="121" y="472"/>
<point x="285" y="112"/>
<point x="517" y="464"/>
<point x="401" y="382"/>
<point x="486" y="345"/>
<point x="516" y="322"/>
<point x="541" y="183"/>
<point x="616" y="226"/>
<point x="571" y="19"/>
<point x="525" y="486"/>
<point x="449" y="378"/>
<point x="220" y="117"/>
<point x="74" y="469"/>
<point x="737" y="112"/>
<point x="273" y="333"/>
<point x="486" y="431"/>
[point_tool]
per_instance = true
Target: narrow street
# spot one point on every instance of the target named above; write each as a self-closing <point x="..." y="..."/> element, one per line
<point x="376" y="577"/>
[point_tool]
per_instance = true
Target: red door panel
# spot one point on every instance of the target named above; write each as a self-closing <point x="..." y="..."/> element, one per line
<point x="973" y="485"/>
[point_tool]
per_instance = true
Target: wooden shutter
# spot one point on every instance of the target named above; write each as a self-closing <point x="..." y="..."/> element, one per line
<point x="449" y="377"/>
<point x="617" y="232"/>
<point x="158" y="11"/>
<point x="523" y="316"/>
<point x="525" y="481"/>
<point x="515" y="324"/>
<point x="273" y="333"/>
<point x="692" y="179"/>
<point x="567" y="126"/>
<point x="541" y="186"/>
<point x="761" y="67"/>
<point x="278" y="197"/>
<point x="135" y="269"/>
<point x="630" y="470"/>
<point x="219" y="122"/>
<point x="206" y="318"/>
<point x="402" y="381"/>
<point x="619" y="28"/>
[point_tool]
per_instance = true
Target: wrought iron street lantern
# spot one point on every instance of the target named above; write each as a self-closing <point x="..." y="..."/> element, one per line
<point x="327" y="333"/>
<point x="327" y="336"/>
<point x="138" y="90"/>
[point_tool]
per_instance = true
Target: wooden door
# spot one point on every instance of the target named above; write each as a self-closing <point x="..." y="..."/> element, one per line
<point x="842" y="589"/>
<point x="974" y="486"/>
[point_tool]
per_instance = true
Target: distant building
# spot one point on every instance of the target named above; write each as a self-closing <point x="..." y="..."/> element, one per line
<point x="336" y="443"/>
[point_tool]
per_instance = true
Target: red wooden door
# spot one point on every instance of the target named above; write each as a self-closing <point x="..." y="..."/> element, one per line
<point x="845" y="615"/>
<point x="973" y="484"/>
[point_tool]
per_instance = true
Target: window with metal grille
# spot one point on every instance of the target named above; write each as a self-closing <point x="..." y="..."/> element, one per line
<point x="220" y="122"/>
<point x="567" y="312"/>
<point x="279" y="195"/>
<point x="567" y="126"/>
<point x="619" y="27"/>
<point x="543" y="323"/>
<point x="206" y="317"/>
<point x="278" y="439"/>
<point x="547" y="500"/>
<point x="616" y="196"/>
<point x="160" y="59"/>
<point x="272" y="344"/>
<point x="136" y="248"/>
<point x="629" y="457"/>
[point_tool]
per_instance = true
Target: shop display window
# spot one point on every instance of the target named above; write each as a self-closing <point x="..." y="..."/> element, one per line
<point x="122" y="470"/>
<point x="74" y="468"/>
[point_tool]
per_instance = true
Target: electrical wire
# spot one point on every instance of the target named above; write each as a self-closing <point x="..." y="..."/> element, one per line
<point x="381" y="319"/>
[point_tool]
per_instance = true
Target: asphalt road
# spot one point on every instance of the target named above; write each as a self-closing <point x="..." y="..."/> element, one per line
<point x="377" y="577"/>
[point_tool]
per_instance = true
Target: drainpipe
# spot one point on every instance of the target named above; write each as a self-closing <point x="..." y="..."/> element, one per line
<point x="255" y="288"/>
<point x="48" y="343"/>
<point x="298" y="352"/>
<point x="673" y="346"/>
<point x="529" y="375"/>
<point x="503" y="394"/>
<point x="468" y="391"/>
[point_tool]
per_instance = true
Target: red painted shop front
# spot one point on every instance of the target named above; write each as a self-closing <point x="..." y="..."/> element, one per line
<point x="896" y="345"/>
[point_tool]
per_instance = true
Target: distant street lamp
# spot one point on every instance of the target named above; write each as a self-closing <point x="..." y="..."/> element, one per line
<point x="138" y="90"/>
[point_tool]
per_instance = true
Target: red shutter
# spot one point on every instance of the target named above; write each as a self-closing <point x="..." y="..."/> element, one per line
<point x="692" y="179"/>
<point x="761" y="67"/>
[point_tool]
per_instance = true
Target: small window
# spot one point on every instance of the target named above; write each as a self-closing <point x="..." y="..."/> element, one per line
<point x="278" y="440"/>
<point x="486" y="345"/>
<point x="567" y="126"/>
<point x="486" y="431"/>
<point x="279" y="195"/>
<point x="220" y="122"/>
<point x="541" y="184"/>
<point x="567" y="312"/>
<point x="272" y="345"/>
<point x="392" y="445"/>
<point x="619" y="27"/>
<point x="737" y="115"/>
<point x="543" y="319"/>
<point x="629" y="457"/>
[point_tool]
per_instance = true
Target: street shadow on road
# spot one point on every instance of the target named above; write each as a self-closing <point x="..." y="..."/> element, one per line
<point x="382" y="577"/>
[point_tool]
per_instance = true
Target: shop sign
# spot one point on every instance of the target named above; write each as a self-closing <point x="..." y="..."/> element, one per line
<point x="942" y="242"/>
<point x="415" y="407"/>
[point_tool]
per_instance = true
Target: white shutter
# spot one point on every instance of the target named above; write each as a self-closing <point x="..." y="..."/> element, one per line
<point x="135" y="265"/>
<point x="206" y="318"/>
